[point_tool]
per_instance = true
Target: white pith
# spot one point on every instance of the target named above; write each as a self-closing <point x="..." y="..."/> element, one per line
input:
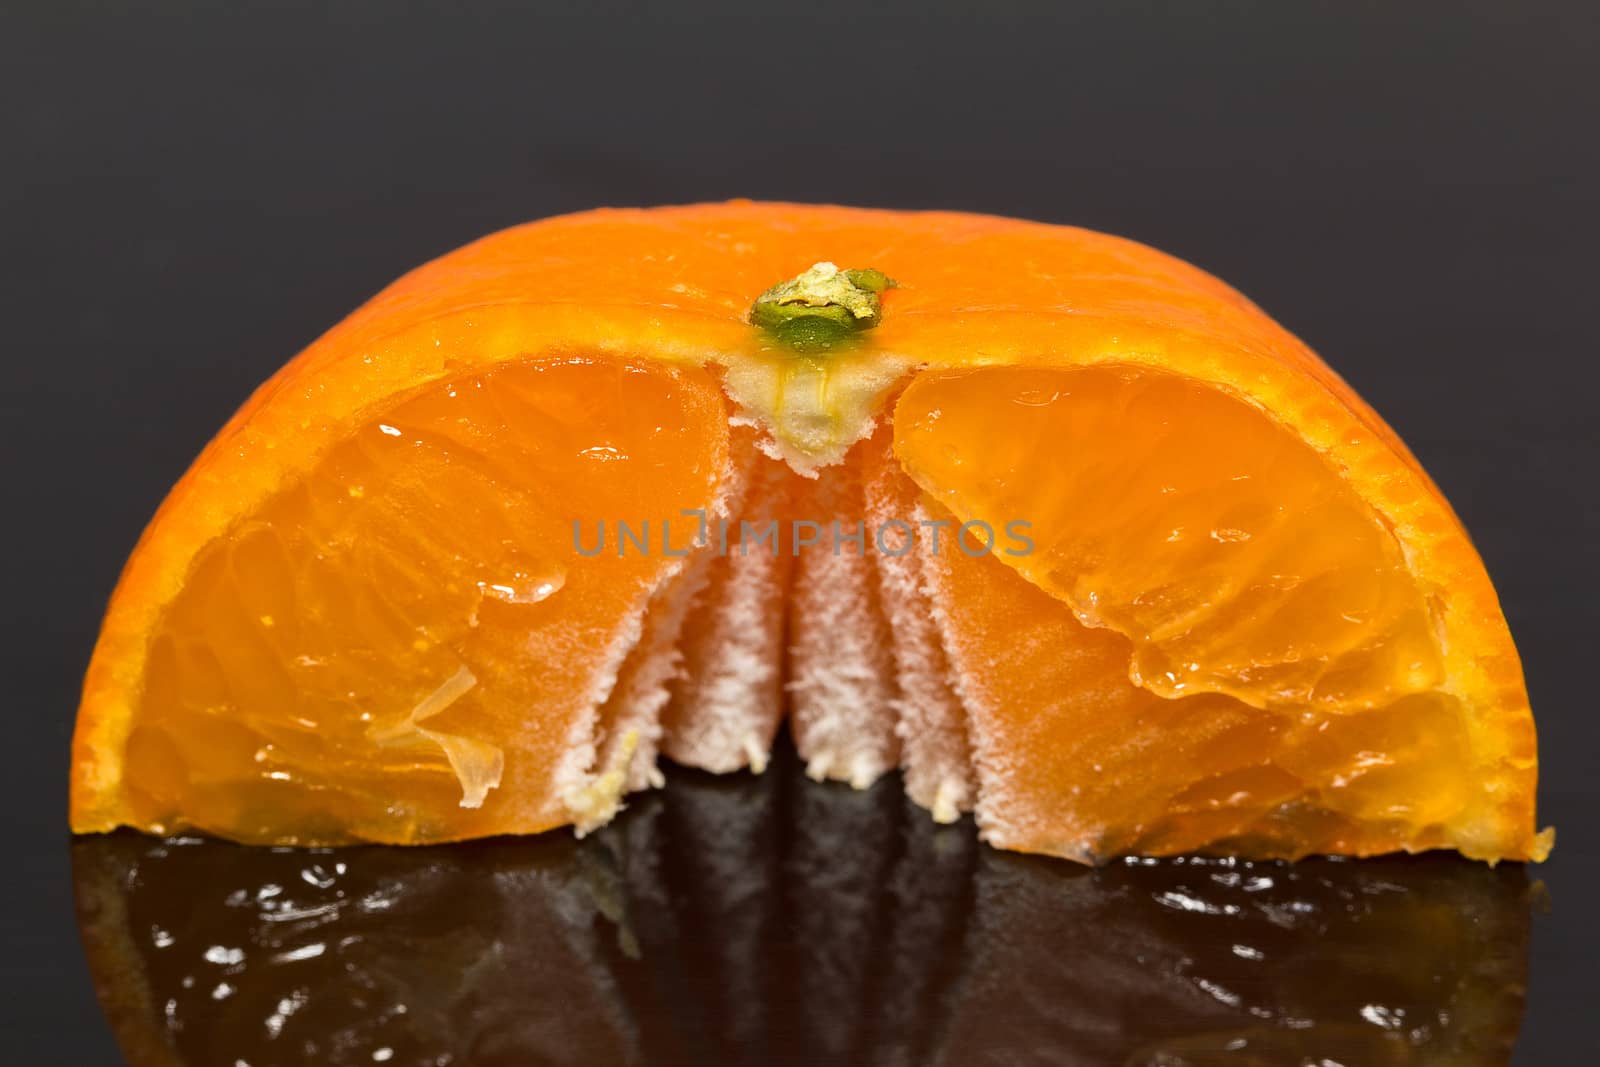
<point x="737" y="639"/>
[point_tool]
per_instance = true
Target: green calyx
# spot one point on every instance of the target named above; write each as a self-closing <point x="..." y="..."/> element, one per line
<point x="822" y="306"/>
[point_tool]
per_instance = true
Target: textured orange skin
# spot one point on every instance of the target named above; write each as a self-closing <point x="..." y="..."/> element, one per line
<point x="675" y="284"/>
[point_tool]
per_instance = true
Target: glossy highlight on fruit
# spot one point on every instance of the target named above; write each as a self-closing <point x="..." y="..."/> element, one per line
<point x="606" y="489"/>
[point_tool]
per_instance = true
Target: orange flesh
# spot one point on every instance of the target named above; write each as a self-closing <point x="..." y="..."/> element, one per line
<point x="1234" y="557"/>
<point x="1078" y="761"/>
<point x="1214" y="644"/>
<point x="1248" y="621"/>
<point x="283" y="679"/>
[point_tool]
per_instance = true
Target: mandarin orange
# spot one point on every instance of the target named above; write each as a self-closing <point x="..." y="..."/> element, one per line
<point x="1066" y="529"/>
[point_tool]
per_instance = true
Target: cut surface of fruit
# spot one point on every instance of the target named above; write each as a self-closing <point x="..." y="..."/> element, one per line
<point x="393" y="616"/>
<point x="1234" y="557"/>
<point x="1099" y="552"/>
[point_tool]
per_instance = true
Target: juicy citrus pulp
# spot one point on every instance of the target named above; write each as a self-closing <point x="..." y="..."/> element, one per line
<point x="466" y="566"/>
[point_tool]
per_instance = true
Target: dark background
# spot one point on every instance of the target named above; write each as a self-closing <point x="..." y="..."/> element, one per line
<point x="194" y="192"/>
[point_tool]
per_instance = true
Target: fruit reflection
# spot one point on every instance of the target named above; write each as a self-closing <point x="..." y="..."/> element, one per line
<point x="769" y="921"/>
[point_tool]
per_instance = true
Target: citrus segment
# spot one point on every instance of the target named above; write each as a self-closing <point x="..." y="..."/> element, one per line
<point x="1234" y="557"/>
<point x="1074" y="759"/>
<point x="841" y="670"/>
<point x="358" y="660"/>
<point x="726" y="696"/>
<point x="931" y="721"/>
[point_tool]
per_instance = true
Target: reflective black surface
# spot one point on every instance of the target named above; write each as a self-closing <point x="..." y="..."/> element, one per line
<point x="191" y="192"/>
<point x="772" y="920"/>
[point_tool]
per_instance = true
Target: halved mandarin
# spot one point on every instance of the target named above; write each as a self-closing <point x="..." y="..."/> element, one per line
<point x="1064" y="529"/>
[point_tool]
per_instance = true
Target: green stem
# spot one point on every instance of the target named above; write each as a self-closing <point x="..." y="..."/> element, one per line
<point x="822" y="307"/>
